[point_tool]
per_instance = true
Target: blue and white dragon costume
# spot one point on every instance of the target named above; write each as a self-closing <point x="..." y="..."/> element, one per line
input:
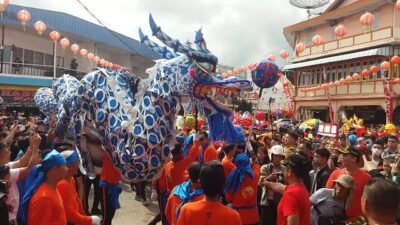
<point x="139" y="135"/>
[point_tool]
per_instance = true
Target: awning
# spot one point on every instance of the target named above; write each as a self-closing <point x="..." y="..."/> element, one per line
<point x="384" y="51"/>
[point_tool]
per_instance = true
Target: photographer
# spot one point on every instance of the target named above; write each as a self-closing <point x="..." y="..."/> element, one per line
<point x="4" y="172"/>
<point x="272" y="172"/>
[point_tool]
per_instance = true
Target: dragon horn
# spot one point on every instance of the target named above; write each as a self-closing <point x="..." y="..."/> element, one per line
<point x="178" y="47"/>
<point x="164" y="52"/>
<point x="200" y="42"/>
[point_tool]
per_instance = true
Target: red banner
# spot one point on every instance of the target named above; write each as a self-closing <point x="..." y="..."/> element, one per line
<point x="388" y="99"/>
<point x="14" y="98"/>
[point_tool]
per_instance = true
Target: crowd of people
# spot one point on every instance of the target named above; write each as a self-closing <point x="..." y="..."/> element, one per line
<point x="279" y="176"/>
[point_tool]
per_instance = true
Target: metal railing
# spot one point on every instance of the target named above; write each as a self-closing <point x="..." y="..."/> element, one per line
<point x="38" y="70"/>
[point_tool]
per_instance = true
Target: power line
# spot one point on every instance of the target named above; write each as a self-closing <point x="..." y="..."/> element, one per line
<point x="103" y="25"/>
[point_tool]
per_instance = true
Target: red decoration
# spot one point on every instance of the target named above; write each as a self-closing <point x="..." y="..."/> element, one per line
<point x="54" y="36"/>
<point x="385" y="66"/>
<point x="64" y="43"/>
<point x="3" y="6"/>
<point x="374" y="70"/>
<point x="317" y="40"/>
<point x="365" y="73"/>
<point x="83" y="52"/>
<point x="337" y="83"/>
<point x="342" y="80"/>
<point x="340" y="31"/>
<point x="75" y="48"/>
<point x="284" y="54"/>
<point x="367" y="19"/>
<point x="40" y="27"/>
<point x="24" y="16"/>
<point x="96" y="59"/>
<point x="349" y="78"/>
<point x="398" y="5"/>
<point x="90" y="56"/>
<point x="395" y="60"/>
<point x="300" y="48"/>
<point x="356" y="76"/>
<point x="192" y="73"/>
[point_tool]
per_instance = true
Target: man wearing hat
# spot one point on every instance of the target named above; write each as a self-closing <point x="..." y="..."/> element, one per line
<point x="42" y="203"/>
<point x="272" y="172"/>
<point x="67" y="189"/>
<point x="351" y="160"/>
<point x="332" y="203"/>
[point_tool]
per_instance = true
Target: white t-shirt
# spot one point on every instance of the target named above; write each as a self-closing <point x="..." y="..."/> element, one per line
<point x="13" y="193"/>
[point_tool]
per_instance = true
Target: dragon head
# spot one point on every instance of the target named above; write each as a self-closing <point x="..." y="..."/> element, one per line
<point x="190" y="75"/>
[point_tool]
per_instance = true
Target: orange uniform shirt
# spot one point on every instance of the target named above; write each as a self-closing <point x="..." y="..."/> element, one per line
<point x="210" y="153"/>
<point x="361" y="178"/>
<point x="72" y="205"/>
<point x="176" y="172"/>
<point x="161" y="183"/>
<point x="172" y="204"/>
<point x="228" y="166"/>
<point x="208" y="213"/>
<point x="246" y="197"/>
<point x="46" y="207"/>
<point x="110" y="174"/>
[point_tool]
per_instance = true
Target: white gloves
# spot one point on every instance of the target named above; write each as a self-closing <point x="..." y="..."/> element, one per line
<point x="154" y="195"/>
<point x="96" y="220"/>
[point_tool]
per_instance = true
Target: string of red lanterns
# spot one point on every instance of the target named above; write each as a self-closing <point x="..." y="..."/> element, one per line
<point x="384" y="67"/>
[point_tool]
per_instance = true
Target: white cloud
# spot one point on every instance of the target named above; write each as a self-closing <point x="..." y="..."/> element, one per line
<point x="238" y="32"/>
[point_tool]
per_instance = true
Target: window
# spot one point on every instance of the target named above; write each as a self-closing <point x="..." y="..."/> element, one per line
<point x="28" y="56"/>
<point x="318" y="75"/>
<point x="375" y="25"/>
<point x="365" y="67"/>
<point x="7" y="54"/>
<point x="371" y="63"/>
<point x="308" y="38"/>
<point x="358" y="68"/>
<point x="17" y="53"/>
<point x="333" y="35"/>
<point x="339" y="73"/>
<point x="39" y="58"/>
<point x="313" y="77"/>
<point x="327" y="75"/>
<point x="351" y="69"/>
<point x="345" y="71"/>
<point x="60" y="61"/>
<point x="48" y="59"/>
<point x="333" y="74"/>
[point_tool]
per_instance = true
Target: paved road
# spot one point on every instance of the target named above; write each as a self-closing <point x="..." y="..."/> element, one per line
<point x="132" y="212"/>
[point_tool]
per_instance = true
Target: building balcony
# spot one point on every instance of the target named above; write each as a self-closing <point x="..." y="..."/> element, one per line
<point x="351" y="43"/>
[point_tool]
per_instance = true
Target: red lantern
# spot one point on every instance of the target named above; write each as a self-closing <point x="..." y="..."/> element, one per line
<point x="75" y="48"/>
<point x="271" y="58"/>
<point x="24" y="16"/>
<point x="300" y="48"/>
<point x="349" y="78"/>
<point x="365" y="73"/>
<point x="340" y="31"/>
<point x="317" y="40"/>
<point x="356" y="76"/>
<point x="284" y="54"/>
<point x="395" y="60"/>
<point x="398" y="5"/>
<point x="102" y="62"/>
<point x="236" y="71"/>
<point x="385" y="66"/>
<point x="96" y="59"/>
<point x="374" y="70"/>
<point x="111" y="65"/>
<point x="83" y="52"/>
<point x="342" y="80"/>
<point x="90" y="56"/>
<point x="397" y="80"/>
<point x="337" y="83"/>
<point x="3" y="6"/>
<point x="367" y="19"/>
<point x="54" y="36"/>
<point x="40" y="27"/>
<point x="64" y="43"/>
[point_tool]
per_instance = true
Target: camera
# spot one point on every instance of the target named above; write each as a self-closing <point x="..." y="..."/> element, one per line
<point x="3" y="187"/>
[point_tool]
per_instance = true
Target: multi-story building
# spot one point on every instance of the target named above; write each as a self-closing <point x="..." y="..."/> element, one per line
<point x="27" y="60"/>
<point x="337" y="58"/>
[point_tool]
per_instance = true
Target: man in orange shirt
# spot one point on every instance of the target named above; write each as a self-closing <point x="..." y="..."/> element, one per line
<point x="67" y="189"/>
<point x="207" y="150"/>
<point x="241" y="188"/>
<point x="175" y="170"/>
<point x="188" y="191"/>
<point x="109" y="178"/>
<point x="42" y="204"/>
<point x="226" y="162"/>
<point x="160" y="194"/>
<point x="209" y="211"/>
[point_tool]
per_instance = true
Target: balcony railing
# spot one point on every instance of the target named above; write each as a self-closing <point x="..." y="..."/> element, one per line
<point x="38" y="70"/>
<point x="347" y="43"/>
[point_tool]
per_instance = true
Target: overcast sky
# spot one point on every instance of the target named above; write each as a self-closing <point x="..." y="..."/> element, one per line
<point x="237" y="31"/>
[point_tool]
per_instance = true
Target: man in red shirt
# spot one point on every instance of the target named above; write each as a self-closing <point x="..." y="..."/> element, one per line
<point x="241" y="188"/>
<point x="207" y="150"/>
<point x="188" y="191"/>
<point x="351" y="159"/>
<point x="209" y="211"/>
<point x="226" y="162"/>
<point x="294" y="207"/>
